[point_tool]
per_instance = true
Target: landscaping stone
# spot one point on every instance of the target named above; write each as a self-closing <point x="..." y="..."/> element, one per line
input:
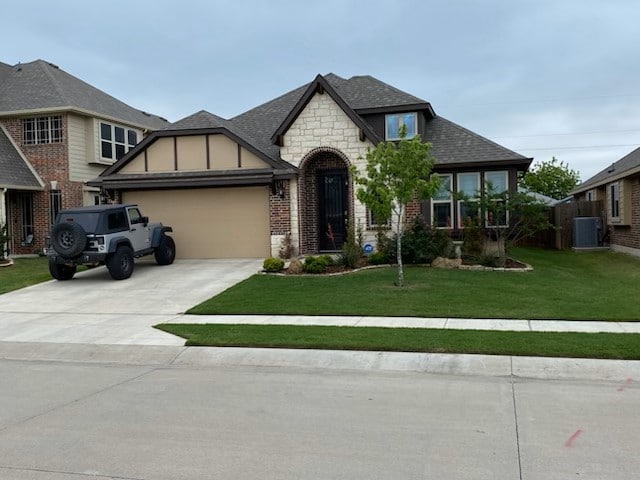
<point x="441" y="262"/>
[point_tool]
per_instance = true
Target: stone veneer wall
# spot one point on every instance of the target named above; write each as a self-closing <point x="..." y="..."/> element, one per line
<point x="323" y="123"/>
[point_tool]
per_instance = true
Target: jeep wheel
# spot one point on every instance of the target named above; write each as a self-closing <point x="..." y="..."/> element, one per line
<point x="165" y="252"/>
<point x="68" y="239"/>
<point x="120" y="263"/>
<point x="60" y="271"/>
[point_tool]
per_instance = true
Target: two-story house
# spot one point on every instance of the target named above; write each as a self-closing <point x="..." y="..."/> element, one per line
<point x="56" y="133"/>
<point x="234" y="188"/>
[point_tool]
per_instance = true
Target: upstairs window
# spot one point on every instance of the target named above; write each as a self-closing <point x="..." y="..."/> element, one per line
<point x="395" y="121"/>
<point x="116" y="141"/>
<point x="39" y="130"/>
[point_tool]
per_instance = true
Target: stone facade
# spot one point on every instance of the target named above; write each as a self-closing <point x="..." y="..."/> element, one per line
<point x="321" y="127"/>
<point x="279" y="214"/>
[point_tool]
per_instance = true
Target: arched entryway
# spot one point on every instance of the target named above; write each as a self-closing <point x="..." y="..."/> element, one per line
<point x="325" y="197"/>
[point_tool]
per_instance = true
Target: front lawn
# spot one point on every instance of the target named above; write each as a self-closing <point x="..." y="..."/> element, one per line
<point x="563" y="285"/>
<point x="575" y="345"/>
<point x="24" y="272"/>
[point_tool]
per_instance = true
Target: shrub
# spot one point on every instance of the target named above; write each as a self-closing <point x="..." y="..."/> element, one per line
<point x="272" y="264"/>
<point x="378" y="258"/>
<point x="420" y="244"/>
<point x="473" y="238"/>
<point x="489" y="260"/>
<point x="351" y="256"/>
<point x="4" y="239"/>
<point x="316" y="264"/>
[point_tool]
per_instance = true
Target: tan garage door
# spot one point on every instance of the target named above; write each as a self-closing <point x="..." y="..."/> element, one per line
<point x="212" y="222"/>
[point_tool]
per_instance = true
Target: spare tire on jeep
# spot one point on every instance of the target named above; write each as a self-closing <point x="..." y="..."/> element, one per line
<point x="68" y="239"/>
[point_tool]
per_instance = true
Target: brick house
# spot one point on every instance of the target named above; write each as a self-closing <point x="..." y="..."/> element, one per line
<point x="56" y="133"/>
<point x="618" y="186"/>
<point x="236" y="187"/>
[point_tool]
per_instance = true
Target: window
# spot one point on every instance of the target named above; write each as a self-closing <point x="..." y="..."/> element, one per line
<point x="40" y="130"/>
<point x="614" y="190"/>
<point x="468" y="186"/>
<point x="117" y="221"/>
<point x="55" y="205"/>
<point x="497" y="183"/>
<point x="442" y="204"/>
<point x="374" y="221"/>
<point x="116" y="141"/>
<point x="134" y="216"/>
<point x="591" y="195"/>
<point x="394" y="122"/>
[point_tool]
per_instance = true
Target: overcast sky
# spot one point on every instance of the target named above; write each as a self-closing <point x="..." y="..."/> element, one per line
<point x="544" y="78"/>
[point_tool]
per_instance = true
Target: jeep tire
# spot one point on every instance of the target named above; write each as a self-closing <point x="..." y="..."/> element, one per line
<point x="165" y="252"/>
<point x="120" y="263"/>
<point x="68" y="239"/>
<point x="60" y="271"/>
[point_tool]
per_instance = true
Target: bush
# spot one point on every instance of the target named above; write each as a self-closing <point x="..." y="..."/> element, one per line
<point x="489" y="260"/>
<point x="287" y="250"/>
<point x="351" y="255"/>
<point x="272" y="265"/>
<point x="473" y="239"/>
<point x="316" y="264"/>
<point x="378" y="258"/>
<point x="420" y="244"/>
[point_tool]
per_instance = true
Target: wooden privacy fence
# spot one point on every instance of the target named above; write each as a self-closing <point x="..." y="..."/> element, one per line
<point x="561" y="216"/>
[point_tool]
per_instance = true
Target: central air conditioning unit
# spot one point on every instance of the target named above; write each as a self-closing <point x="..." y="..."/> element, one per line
<point x="586" y="232"/>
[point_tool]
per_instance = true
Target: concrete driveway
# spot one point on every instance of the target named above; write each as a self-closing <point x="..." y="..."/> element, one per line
<point x="93" y="308"/>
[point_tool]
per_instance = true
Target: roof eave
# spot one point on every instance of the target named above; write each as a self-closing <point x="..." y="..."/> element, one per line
<point x="412" y="107"/>
<point x="612" y="178"/>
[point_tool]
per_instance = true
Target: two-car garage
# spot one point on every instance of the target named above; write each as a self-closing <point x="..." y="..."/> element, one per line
<point x="211" y="222"/>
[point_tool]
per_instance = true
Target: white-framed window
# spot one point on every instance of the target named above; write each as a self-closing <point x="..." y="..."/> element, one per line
<point x="373" y="221"/>
<point x="469" y="187"/>
<point x="116" y="141"/>
<point x="591" y="195"/>
<point x="442" y="203"/>
<point x="497" y="183"/>
<point x="394" y="121"/>
<point x="614" y="200"/>
<point x="39" y="130"/>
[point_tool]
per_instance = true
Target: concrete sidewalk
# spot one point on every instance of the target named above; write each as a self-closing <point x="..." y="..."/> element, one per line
<point x="416" y="322"/>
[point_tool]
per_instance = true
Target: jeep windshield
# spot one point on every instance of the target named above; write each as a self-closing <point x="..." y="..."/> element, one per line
<point x="87" y="220"/>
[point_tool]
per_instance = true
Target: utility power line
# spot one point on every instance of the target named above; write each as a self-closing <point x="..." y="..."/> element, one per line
<point x="575" y="148"/>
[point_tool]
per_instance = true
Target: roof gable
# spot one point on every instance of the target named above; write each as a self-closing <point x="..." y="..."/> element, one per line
<point x="41" y="85"/>
<point x="321" y="86"/>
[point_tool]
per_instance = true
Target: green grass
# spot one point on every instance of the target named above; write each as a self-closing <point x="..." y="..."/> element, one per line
<point x="563" y="285"/>
<point x="575" y="345"/>
<point x="24" y="272"/>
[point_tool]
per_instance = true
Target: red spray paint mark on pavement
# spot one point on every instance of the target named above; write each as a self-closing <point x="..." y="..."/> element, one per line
<point x="572" y="438"/>
<point x="626" y="384"/>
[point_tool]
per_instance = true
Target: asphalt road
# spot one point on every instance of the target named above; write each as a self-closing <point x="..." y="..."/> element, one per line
<point x="81" y="421"/>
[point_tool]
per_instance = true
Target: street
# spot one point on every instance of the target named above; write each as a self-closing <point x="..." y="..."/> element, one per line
<point x="80" y="420"/>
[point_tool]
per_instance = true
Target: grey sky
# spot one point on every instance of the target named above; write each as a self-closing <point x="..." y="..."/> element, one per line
<point x="545" y="78"/>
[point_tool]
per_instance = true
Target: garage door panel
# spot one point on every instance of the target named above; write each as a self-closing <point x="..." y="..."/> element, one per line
<point x="211" y="223"/>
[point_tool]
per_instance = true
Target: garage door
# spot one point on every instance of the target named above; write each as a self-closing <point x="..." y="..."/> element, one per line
<point x="211" y="223"/>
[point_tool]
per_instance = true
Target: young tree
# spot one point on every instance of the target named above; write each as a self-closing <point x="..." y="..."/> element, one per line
<point x="4" y="239"/>
<point x="551" y="178"/>
<point x="396" y="173"/>
<point x="509" y="216"/>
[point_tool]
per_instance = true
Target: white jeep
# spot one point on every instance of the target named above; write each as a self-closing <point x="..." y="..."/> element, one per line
<point x="111" y="235"/>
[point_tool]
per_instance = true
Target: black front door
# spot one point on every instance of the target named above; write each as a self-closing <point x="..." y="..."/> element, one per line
<point x="333" y="208"/>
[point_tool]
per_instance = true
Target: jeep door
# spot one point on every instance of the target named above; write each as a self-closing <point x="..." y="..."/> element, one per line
<point x="139" y="231"/>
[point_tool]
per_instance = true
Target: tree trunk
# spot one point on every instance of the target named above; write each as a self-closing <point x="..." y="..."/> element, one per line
<point x="400" y="281"/>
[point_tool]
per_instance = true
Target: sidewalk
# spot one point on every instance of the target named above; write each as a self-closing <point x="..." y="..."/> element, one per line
<point x="416" y="322"/>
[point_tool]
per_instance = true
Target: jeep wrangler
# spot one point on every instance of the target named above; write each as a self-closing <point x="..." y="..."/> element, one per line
<point x="111" y="235"/>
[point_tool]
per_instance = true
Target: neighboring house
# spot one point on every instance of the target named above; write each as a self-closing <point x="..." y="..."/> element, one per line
<point x="618" y="186"/>
<point x="236" y="187"/>
<point x="56" y="133"/>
